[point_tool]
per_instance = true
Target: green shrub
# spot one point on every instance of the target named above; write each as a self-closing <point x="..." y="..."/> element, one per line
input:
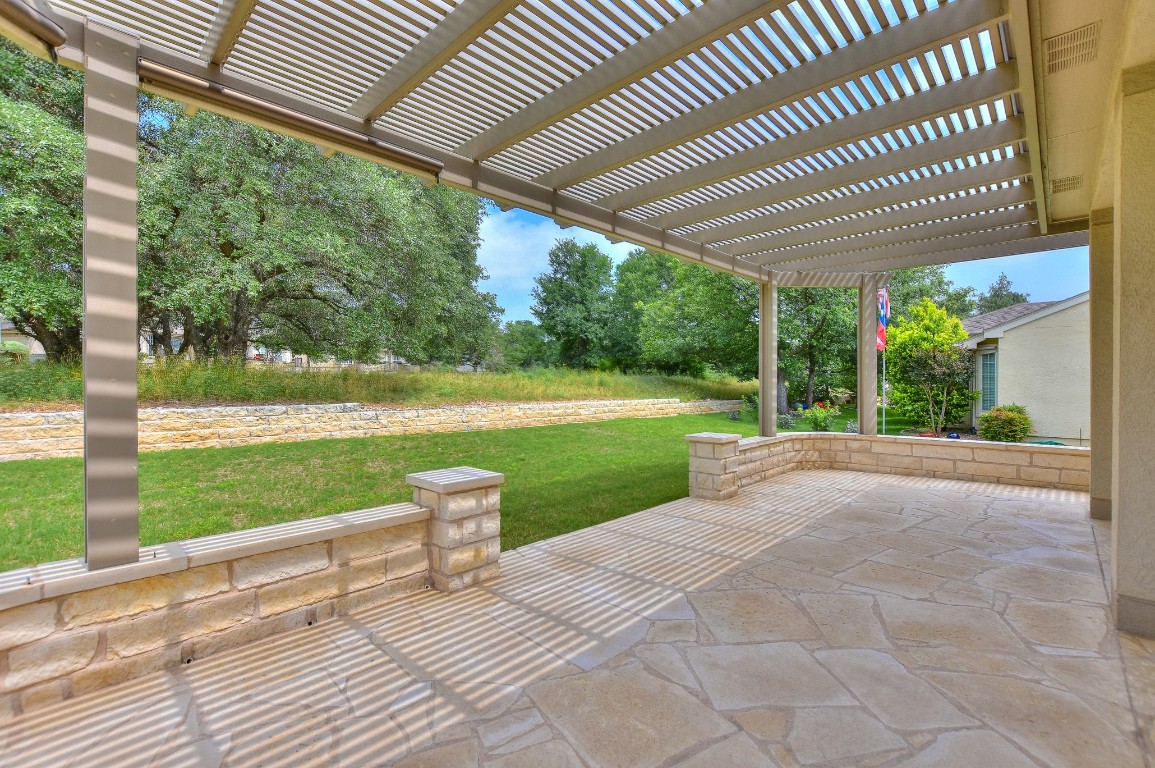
<point x="787" y="421"/>
<point x="1005" y="424"/>
<point x="852" y="427"/>
<point x="821" y="416"/>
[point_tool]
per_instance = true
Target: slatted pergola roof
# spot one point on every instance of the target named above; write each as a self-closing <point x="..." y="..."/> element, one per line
<point x="826" y="135"/>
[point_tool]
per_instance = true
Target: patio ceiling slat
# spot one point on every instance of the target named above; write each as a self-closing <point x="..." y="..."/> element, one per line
<point x="926" y="105"/>
<point x="1002" y="225"/>
<point x="823" y="253"/>
<point x="926" y="153"/>
<point x="944" y="183"/>
<point x="898" y="216"/>
<point x="1028" y="239"/>
<point x="668" y="44"/>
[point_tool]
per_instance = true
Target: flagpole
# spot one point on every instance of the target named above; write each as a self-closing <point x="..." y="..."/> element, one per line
<point x="884" y="390"/>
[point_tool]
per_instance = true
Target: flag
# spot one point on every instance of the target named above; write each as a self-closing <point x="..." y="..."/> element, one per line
<point x="883" y="318"/>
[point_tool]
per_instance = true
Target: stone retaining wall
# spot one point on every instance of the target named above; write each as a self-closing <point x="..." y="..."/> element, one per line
<point x="49" y="435"/>
<point x="66" y="631"/>
<point x="721" y="464"/>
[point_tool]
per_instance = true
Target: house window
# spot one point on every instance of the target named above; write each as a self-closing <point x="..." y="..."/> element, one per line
<point x="989" y="380"/>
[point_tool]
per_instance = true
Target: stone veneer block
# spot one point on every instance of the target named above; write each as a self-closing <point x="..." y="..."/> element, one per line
<point x="721" y="463"/>
<point x="65" y="631"/>
<point x="465" y="525"/>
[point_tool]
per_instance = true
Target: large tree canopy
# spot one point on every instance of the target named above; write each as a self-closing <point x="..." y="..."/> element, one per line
<point x="246" y="236"/>
<point x="246" y="233"/>
<point x="572" y="302"/>
<point x="1000" y="295"/>
<point x="702" y="321"/>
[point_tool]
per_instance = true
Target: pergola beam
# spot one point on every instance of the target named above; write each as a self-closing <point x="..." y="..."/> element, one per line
<point x="1033" y="242"/>
<point x="926" y="105"/>
<point x="985" y="174"/>
<point x="228" y="24"/>
<point x="459" y="29"/>
<point x="673" y="41"/>
<point x="969" y="237"/>
<point x="1024" y="60"/>
<point x="968" y="142"/>
<point x="835" y="252"/>
<point x="963" y="205"/>
<point x="861" y="57"/>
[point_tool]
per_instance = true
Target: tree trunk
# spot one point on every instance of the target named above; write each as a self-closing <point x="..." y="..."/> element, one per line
<point x="782" y="397"/>
<point x="60" y="345"/>
<point x="811" y="369"/>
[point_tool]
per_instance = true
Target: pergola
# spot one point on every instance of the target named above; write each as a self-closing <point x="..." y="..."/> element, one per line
<point x="813" y="142"/>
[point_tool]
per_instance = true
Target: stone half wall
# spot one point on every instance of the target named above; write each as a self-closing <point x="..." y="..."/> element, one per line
<point x="49" y="435"/>
<point x="721" y="464"/>
<point x="67" y="631"/>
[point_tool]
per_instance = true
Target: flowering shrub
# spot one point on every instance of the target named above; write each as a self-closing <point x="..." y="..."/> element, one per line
<point x="821" y="416"/>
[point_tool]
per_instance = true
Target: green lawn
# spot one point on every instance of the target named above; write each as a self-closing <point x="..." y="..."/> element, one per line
<point x="558" y="479"/>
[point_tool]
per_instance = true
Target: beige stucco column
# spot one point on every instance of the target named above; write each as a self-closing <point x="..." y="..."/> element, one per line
<point x="868" y="355"/>
<point x="1133" y="449"/>
<point x="1102" y="341"/>
<point x="768" y="358"/>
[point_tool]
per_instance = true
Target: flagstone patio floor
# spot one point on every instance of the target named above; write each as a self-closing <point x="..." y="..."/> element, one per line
<point x="819" y="619"/>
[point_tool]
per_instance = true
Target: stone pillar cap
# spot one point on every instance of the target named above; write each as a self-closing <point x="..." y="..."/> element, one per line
<point x="713" y="437"/>
<point x="455" y="480"/>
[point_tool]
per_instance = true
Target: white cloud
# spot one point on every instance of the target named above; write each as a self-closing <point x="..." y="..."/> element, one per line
<point x="515" y="249"/>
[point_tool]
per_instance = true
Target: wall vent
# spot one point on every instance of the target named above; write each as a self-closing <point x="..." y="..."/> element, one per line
<point x="1066" y="184"/>
<point x="1071" y="49"/>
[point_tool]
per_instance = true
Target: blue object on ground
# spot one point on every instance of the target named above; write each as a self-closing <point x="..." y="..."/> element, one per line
<point x="954" y="435"/>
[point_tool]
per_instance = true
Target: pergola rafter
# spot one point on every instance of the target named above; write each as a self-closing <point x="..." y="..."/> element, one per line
<point x="835" y="252"/>
<point x="680" y="37"/>
<point x="460" y="28"/>
<point x="913" y="37"/>
<point x="928" y="153"/>
<point x="987" y="174"/>
<point x="230" y="21"/>
<point x="921" y="107"/>
<point x="902" y="215"/>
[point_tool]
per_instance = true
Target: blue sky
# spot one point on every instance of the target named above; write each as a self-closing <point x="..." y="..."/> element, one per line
<point x="515" y="247"/>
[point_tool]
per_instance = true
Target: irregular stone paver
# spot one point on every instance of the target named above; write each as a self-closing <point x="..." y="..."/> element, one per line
<point x="968" y="749"/>
<point x="896" y="697"/>
<point x="1054" y="726"/>
<point x="821" y="618"/>
<point x="953" y="625"/>
<point x="772" y="674"/>
<point x="1059" y="624"/>
<point x="847" y="620"/>
<point x="736" y="750"/>
<point x="626" y="716"/>
<point x="745" y="616"/>
<point x="833" y="733"/>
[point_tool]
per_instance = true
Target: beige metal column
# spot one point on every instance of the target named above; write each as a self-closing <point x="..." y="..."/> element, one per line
<point x="768" y="358"/>
<point x="1133" y="450"/>
<point x="1102" y="340"/>
<point x="868" y="355"/>
<point x="110" y="322"/>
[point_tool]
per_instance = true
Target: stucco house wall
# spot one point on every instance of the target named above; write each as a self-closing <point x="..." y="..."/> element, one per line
<point x="1044" y="363"/>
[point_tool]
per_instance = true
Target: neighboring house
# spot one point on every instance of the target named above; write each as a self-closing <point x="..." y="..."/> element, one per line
<point x="1037" y="354"/>
<point x="8" y="332"/>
